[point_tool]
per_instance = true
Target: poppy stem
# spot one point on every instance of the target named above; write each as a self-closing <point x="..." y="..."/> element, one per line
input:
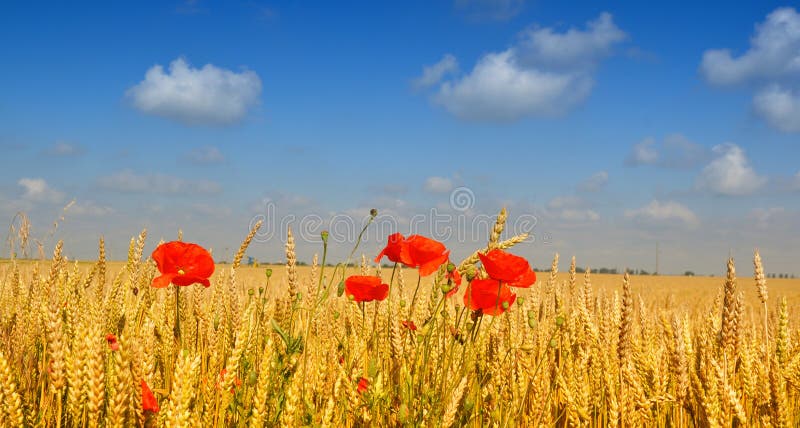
<point x="324" y="261"/>
<point x="177" y="329"/>
<point x="414" y="299"/>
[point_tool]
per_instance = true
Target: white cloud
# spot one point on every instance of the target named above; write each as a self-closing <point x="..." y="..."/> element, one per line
<point x="571" y="209"/>
<point x="207" y="95"/>
<point x="779" y="106"/>
<point x="657" y="212"/>
<point x="545" y="74"/>
<point x="64" y="149"/>
<point x="643" y="153"/>
<point x="205" y="155"/>
<point x="433" y="74"/>
<point x="562" y="202"/>
<point x="772" y="64"/>
<point x="578" y="215"/>
<point x="729" y="173"/>
<point x="774" y="53"/>
<point x="438" y="185"/>
<point x="674" y="151"/>
<point x="127" y="181"/>
<point x="763" y="217"/>
<point x="37" y="190"/>
<point x="498" y="89"/>
<point x="90" y="209"/>
<point x="548" y="49"/>
<point x="594" y="183"/>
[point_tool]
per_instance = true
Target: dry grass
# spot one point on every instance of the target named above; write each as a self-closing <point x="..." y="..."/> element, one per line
<point x="598" y="350"/>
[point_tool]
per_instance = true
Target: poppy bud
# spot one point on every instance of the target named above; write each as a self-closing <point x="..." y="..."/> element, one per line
<point x="268" y="272"/>
<point x="251" y="292"/>
<point x="373" y="212"/>
<point x="216" y="322"/>
<point x="560" y="320"/>
<point x="505" y="305"/>
<point x="260" y="290"/>
<point x="252" y="378"/>
<point x="470" y="275"/>
<point x="451" y="267"/>
<point x="532" y="322"/>
<point x="324" y="235"/>
<point x="468" y="404"/>
<point x="446" y="287"/>
<point x="340" y="289"/>
<point x="520" y="301"/>
<point x="553" y="343"/>
<point x="402" y="303"/>
<point x="336" y="315"/>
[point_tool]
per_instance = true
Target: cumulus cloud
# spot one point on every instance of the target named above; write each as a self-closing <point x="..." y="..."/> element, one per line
<point x="205" y="155"/>
<point x="729" y="173"/>
<point x="546" y="73"/>
<point x="657" y="212"/>
<point x="594" y="183"/>
<point x="774" y="53"/>
<point x="37" y="190"/>
<point x="433" y="74"/>
<point x="772" y="64"/>
<point x="548" y="49"/>
<point x="779" y="106"/>
<point x="438" y="185"/>
<point x="571" y="209"/>
<point x="207" y="96"/>
<point x="127" y="181"/>
<point x="643" y="153"/>
<point x="674" y="151"/>
<point x="64" y="149"/>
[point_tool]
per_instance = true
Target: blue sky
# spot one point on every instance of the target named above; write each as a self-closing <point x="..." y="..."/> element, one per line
<point x="614" y="126"/>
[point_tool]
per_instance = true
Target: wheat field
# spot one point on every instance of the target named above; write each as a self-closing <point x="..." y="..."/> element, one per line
<point x="285" y="349"/>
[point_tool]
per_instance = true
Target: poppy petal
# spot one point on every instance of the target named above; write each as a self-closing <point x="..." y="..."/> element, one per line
<point x="149" y="402"/>
<point x="432" y="265"/>
<point x="492" y="297"/>
<point x="162" y="281"/>
<point x="366" y="288"/>
<point x="506" y="267"/>
<point x="525" y="280"/>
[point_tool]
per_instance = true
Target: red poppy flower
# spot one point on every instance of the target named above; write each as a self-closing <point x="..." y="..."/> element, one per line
<point x="490" y="296"/>
<point x="508" y="268"/>
<point x="182" y="264"/>
<point x="424" y="253"/>
<point x="394" y="249"/>
<point x="363" y="384"/>
<point x="409" y="325"/>
<point x="366" y="288"/>
<point x="112" y="342"/>
<point x="416" y="251"/>
<point x="149" y="402"/>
